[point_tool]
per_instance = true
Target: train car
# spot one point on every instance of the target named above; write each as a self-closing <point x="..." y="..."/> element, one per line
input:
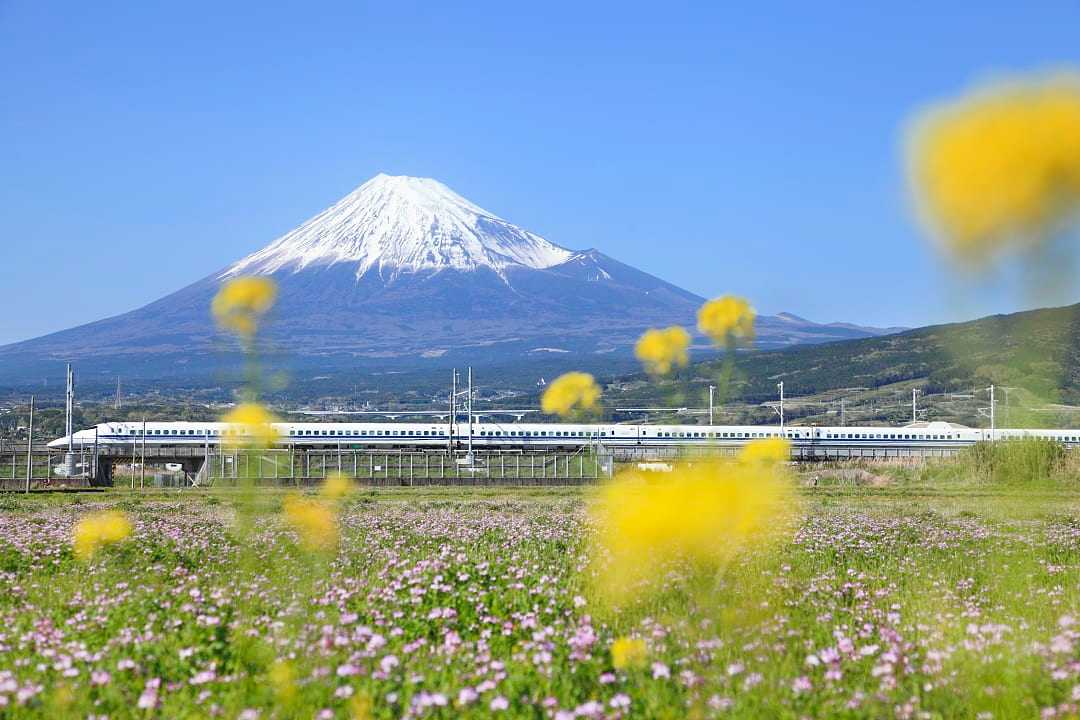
<point x="489" y="435"/>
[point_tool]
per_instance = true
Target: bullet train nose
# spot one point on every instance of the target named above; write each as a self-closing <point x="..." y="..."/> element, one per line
<point x="59" y="442"/>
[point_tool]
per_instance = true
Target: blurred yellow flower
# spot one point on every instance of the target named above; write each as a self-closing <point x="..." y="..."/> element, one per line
<point x="628" y="653"/>
<point x="315" y="523"/>
<point x="361" y="707"/>
<point x="250" y="425"/>
<point x="98" y="530"/>
<point x="662" y="350"/>
<point x="766" y="451"/>
<point x="1000" y="166"/>
<point x="241" y="301"/>
<point x="569" y="393"/>
<point x="283" y="678"/>
<point x="336" y="486"/>
<point x="727" y="319"/>
<point x="702" y="514"/>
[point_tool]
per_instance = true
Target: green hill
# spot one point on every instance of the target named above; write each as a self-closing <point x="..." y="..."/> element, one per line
<point x="1036" y="354"/>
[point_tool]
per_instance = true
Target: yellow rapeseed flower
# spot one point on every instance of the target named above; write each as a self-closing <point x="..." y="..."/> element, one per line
<point x="336" y="486"/>
<point x="766" y="451"/>
<point x="628" y="653"/>
<point x="361" y="707"/>
<point x="727" y="319"/>
<point x="570" y="393"/>
<point x="249" y="425"/>
<point x="999" y="167"/>
<point x="241" y="301"/>
<point x="96" y="531"/>
<point x="313" y="521"/>
<point x="701" y="515"/>
<point x="662" y="350"/>
<point x="283" y="678"/>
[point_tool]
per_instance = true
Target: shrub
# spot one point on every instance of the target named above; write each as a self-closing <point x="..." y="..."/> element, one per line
<point x="1028" y="461"/>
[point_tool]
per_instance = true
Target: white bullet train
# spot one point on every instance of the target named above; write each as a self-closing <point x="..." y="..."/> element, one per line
<point x="546" y="435"/>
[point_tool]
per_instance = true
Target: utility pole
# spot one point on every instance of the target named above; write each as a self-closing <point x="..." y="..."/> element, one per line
<point x="992" y="411"/>
<point x="69" y="422"/>
<point x="117" y="392"/>
<point x="94" y="468"/>
<point x="914" y="405"/>
<point x="142" y="464"/>
<point x="69" y="406"/>
<point x="843" y="413"/>
<point x="781" y="386"/>
<point x="469" y="406"/>
<point x="29" y="446"/>
<point x="712" y="391"/>
<point x="453" y="409"/>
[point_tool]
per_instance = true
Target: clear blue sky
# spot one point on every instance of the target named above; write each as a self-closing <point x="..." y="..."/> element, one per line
<point x="145" y="145"/>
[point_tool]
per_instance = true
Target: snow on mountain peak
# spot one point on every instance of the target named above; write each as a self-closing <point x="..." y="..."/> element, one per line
<point x="396" y="224"/>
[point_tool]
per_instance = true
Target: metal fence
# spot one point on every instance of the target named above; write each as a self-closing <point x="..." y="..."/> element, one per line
<point x="407" y="467"/>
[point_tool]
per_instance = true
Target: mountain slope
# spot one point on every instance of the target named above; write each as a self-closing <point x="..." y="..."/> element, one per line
<point x="401" y="268"/>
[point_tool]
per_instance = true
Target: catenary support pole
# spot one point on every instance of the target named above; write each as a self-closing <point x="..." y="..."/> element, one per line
<point x="142" y="462"/>
<point x="469" y="405"/>
<point x="781" y="386"/>
<point x="30" y="445"/>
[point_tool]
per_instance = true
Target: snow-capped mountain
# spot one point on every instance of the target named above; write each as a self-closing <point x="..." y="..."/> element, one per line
<point x="405" y="270"/>
<point x="399" y="224"/>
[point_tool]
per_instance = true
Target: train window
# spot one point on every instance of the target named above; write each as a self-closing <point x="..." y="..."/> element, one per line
<point x="603" y="434"/>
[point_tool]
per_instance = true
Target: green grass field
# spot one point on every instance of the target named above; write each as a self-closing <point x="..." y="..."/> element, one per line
<point x="938" y="592"/>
